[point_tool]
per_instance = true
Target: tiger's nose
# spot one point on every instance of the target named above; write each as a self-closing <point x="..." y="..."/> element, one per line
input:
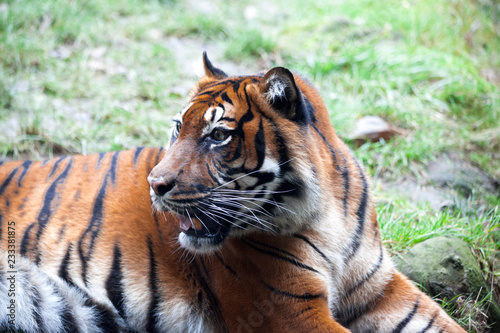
<point x="161" y="187"/>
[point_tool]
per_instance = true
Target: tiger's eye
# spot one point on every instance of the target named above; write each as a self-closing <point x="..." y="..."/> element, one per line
<point x="218" y="135"/>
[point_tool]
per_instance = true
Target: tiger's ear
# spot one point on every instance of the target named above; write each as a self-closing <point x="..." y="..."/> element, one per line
<point x="210" y="70"/>
<point x="281" y="92"/>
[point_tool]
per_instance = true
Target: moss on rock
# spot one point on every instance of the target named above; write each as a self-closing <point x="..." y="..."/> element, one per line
<point x="445" y="267"/>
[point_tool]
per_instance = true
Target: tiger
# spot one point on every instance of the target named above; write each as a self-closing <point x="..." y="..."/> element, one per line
<point x="257" y="217"/>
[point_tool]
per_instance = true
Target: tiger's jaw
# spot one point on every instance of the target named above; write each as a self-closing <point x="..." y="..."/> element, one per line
<point x="198" y="233"/>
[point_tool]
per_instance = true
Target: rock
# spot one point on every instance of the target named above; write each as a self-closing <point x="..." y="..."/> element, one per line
<point x="438" y="199"/>
<point x="450" y="171"/>
<point x="447" y="205"/>
<point x="373" y="128"/>
<point x="445" y="267"/>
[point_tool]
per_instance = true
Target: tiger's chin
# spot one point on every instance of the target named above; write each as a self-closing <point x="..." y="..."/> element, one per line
<point x="199" y="244"/>
<point x="200" y="236"/>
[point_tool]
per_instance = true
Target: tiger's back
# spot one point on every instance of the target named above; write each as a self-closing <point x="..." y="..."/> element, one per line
<point x="87" y="221"/>
<point x="64" y="202"/>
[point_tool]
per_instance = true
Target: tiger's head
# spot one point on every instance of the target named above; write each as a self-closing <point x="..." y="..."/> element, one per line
<point x="239" y="158"/>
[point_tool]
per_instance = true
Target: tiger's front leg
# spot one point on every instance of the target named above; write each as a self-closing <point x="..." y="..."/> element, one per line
<point x="279" y="315"/>
<point x="404" y="308"/>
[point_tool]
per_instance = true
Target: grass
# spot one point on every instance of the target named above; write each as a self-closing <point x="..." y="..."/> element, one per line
<point x="90" y="76"/>
<point x="405" y="224"/>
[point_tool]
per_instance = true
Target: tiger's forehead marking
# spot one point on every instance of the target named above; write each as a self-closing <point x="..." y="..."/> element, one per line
<point x="214" y="114"/>
<point x="212" y="117"/>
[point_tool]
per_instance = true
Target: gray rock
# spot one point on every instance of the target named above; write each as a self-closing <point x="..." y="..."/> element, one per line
<point x="439" y="199"/>
<point x="445" y="267"/>
<point x="450" y="171"/>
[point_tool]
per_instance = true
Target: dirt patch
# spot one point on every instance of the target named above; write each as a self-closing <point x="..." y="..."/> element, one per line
<point x="446" y="181"/>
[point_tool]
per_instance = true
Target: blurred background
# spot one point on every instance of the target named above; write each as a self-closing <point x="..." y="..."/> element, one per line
<point x="412" y="86"/>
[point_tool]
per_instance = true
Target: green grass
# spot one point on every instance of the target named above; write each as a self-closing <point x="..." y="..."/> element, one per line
<point x="100" y="75"/>
<point x="405" y="224"/>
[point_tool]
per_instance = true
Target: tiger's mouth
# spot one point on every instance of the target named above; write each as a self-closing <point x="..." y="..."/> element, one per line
<point x="201" y="234"/>
<point x="201" y="231"/>
<point x="199" y="227"/>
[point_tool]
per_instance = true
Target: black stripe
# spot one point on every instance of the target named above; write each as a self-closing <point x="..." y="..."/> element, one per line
<point x="51" y="201"/>
<point x="278" y="256"/>
<point x="160" y="150"/>
<point x="55" y="165"/>
<point x="309" y="308"/>
<point x="63" y="269"/>
<point x="311" y="111"/>
<point x="330" y="148"/>
<point x="273" y="248"/>
<point x="114" y="285"/>
<point x="212" y="305"/>
<point x="215" y="179"/>
<point x="284" y="156"/>
<point x="233" y="80"/>
<point x="3" y="281"/>
<point x="236" y="86"/>
<point x="305" y="296"/>
<point x="158" y="228"/>
<point x="90" y="234"/>
<point x="431" y="322"/>
<point x="99" y="160"/>
<point x="151" y="323"/>
<point x="105" y="318"/>
<point x="61" y="233"/>
<point x="211" y="93"/>
<point x="349" y="315"/>
<point x="37" y="309"/>
<point x="25" y="242"/>
<point x="220" y="168"/>
<point x="68" y="321"/>
<point x="213" y="115"/>
<point x="8" y="180"/>
<point x="136" y="154"/>
<point x="260" y="145"/>
<point x="236" y="154"/>
<point x="343" y="171"/>
<point x="368" y="276"/>
<point x="1" y="227"/>
<point x="226" y="98"/>
<point x="345" y="176"/>
<point x="305" y="239"/>
<point x="408" y="318"/>
<point x="113" y="167"/>
<point x="224" y="264"/>
<point x="360" y="215"/>
<point x="26" y="165"/>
